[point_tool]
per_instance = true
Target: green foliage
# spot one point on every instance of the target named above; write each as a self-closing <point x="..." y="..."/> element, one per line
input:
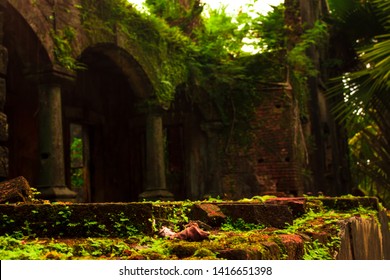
<point x="354" y="22"/>
<point x="258" y="198"/>
<point x="317" y="251"/>
<point x="65" y="214"/>
<point x="76" y="149"/>
<point x="239" y="225"/>
<point x="230" y="75"/>
<point x="176" y="13"/>
<point x="221" y="37"/>
<point x="6" y="221"/>
<point x="154" y="248"/>
<point x="63" y="52"/>
<point x="214" y="199"/>
<point x="13" y="249"/>
<point x="161" y="50"/>
<point x="270" y="29"/>
<point x="123" y="226"/>
<point x="33" y="194"/>
<point x="76" y="156"/>
<point x="63" y="219"/>
<point x="178" y="215"/>
<point x="297" y="56"/>
<point x="314" y="220"/>
<point x="90" y="225"/>
<point x="23" y="249"/>
<point x="176" y="46"/>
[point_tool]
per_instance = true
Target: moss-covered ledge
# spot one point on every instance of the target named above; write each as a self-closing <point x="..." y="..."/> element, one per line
<point x="278" y="228"/>
<point x="124" y="219"/>
<point x="76" y="220"/>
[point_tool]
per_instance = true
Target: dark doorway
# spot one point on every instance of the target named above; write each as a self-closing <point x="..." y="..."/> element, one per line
<point x="112" y="130"/>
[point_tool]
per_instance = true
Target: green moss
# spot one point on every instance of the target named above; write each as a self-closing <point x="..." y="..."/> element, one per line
<point x="204" y="253"/>
<point x="257" y="198"/>
<point x="183" y="249"/>
<point x="239" y="225"/>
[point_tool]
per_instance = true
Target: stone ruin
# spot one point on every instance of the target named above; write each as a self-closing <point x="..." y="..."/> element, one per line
<point x="132" y="151"/>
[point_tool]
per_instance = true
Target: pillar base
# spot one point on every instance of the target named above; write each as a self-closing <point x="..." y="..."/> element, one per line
<point x="62" y="193"/>
<point x="153" y="195"/>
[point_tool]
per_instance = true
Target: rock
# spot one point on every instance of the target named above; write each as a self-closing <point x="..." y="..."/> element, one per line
<point x="233" y="254"/>
<point x="17" y="189"/>
<point x="297" y="205"/>
<point x="209" y="213"/>
<point x="294" y="245"/>
<point x="269" y="215"/>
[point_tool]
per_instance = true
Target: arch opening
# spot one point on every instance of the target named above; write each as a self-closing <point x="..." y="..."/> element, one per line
<point x="111" y="129"/>
<point x="26" y="57"/>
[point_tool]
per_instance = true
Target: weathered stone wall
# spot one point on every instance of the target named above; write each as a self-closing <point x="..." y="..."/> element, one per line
<point x="326" y="141"/>
<point x="274" y="162"/>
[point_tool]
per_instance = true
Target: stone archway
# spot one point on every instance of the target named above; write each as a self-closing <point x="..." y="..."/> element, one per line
<point x="26" y="56"/>
<point x="105" y="104"/>
<point x="108" y="101"/>
<point x="33" y="100"/>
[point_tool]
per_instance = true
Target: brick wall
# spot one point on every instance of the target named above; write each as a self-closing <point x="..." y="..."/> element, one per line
<point x="273" y="164"/>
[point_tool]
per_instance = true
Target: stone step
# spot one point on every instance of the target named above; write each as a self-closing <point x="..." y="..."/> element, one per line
<point x="120" y="219"/>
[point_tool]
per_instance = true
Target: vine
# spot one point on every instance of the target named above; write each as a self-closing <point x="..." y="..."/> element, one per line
<point x="62" y="40"/>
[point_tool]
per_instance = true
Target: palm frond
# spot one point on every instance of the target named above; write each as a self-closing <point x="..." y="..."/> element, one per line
<point x="362" y="99"/>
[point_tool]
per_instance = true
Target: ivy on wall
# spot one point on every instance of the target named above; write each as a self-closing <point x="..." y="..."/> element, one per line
<point x="63" y="53"/>
<point x="301" y="65"/>
<point x="163" y="51"/>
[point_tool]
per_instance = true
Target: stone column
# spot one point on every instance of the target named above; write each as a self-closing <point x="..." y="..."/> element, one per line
<point x="51" y="181"/>
<point x="213" y="181"/>
<point x="155" y="182"/>
<point x="3" y="117"/>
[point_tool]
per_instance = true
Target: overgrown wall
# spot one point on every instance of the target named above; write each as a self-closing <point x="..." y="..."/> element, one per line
<point x="274" y="161"/>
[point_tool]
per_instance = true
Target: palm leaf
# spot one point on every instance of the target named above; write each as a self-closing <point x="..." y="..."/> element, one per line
<point x="363" y="104"/>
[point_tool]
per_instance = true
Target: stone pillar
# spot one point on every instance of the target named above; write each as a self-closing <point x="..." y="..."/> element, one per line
<point x="155" y="182"/>
<point x="51" y="183"/>
<point x="3" y="117"/>
<point x="213" y="181"/>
